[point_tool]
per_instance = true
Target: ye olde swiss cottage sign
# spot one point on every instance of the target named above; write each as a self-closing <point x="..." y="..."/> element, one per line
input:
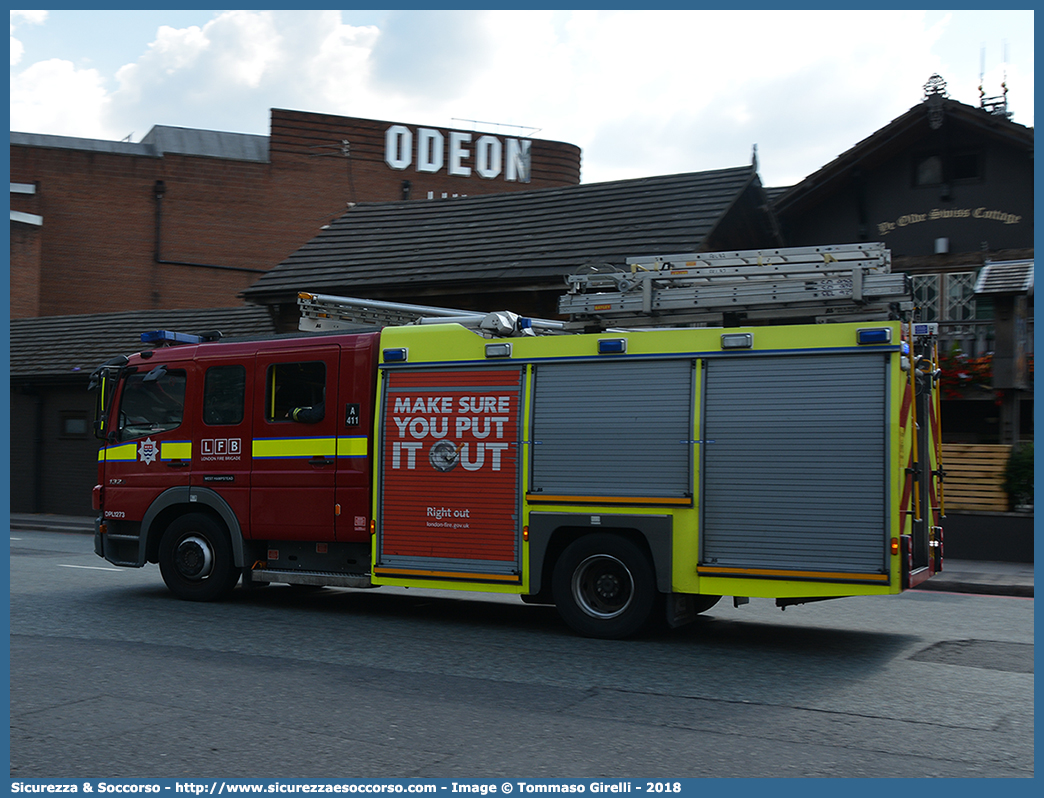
<point x="940" y="214"/>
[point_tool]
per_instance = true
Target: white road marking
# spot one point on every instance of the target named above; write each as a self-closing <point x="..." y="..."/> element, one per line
<point x="91" y="567"/>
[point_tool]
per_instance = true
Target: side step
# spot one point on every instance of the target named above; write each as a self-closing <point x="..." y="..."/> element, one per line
<point x="327" y="578"/>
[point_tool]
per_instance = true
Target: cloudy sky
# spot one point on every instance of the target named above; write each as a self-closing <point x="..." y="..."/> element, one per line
<point x="640" y="92"/>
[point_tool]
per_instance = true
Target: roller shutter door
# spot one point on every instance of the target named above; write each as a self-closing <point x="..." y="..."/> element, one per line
<point x="794" y="472"/>
<point x="449" y="476"/>
<point x="613" y="429"/>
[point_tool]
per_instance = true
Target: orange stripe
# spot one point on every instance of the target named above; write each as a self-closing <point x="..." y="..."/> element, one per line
<point x="819" y="575"/>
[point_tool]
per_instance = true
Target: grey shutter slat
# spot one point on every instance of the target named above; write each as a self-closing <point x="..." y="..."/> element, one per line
<point x="794" y="473"/>
<point x="618" y="428"/>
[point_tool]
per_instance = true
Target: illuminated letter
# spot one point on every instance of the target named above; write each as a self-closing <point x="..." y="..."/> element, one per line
<point x="488" y="154"/>
<point x="429" y="150"/>
<point x="457" y="153"/>
<point x="518" y="157"/>
<point x="398" y="141"/>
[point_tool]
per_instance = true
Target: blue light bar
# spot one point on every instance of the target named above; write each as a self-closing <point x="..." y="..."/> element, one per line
<point x="877" y="335"/>
<point x="169" y="337"/>
<point x="612" y="346"/>
<point x="394" y="355"/>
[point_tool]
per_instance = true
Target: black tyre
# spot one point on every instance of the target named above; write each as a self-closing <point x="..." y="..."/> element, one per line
<point x="604" y="586"/>
<point x="195" y="559"/>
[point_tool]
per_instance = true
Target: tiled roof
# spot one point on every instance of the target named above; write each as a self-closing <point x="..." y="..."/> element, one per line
<point x="57" y="346"/>
<point x="1005" y="277"/>
<point x="513" y="238"/>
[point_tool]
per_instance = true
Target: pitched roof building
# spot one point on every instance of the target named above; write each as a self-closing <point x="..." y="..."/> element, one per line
<point x="479" y="253"/>
<point x="948" y="188"/>
<point x="944" y="179"/>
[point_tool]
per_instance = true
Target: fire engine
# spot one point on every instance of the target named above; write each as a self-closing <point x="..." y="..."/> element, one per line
<point x="625" y="469"/>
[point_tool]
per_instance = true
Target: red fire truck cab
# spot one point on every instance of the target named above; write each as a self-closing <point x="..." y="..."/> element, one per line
<point x="219" y="456"/>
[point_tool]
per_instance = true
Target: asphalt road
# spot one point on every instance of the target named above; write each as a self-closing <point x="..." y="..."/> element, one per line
<point x="111" y="677"/>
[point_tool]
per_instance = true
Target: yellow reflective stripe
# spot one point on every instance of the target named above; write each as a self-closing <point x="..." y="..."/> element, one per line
<point x="294" y="447"/>
<point x="122" y="453"/>
<point x="534" y="498"/>
<point x="175" y="450"/>
<point x="353" y="447"/>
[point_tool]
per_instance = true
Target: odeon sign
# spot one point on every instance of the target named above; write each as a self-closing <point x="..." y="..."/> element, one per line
<point x="491" y="156"/>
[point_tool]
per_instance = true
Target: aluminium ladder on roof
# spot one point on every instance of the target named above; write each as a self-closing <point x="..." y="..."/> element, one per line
<point x="325" y="312"/>
<point x="845" y="282"/>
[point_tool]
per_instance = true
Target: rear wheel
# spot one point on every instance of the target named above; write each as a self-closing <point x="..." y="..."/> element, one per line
<point x="604" y="586"/>
<point x="195" y="559"/>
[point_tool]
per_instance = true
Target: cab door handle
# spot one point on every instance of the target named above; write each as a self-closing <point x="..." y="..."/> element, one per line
<point x="177" y="464"/>
<point x="319" y="462"/>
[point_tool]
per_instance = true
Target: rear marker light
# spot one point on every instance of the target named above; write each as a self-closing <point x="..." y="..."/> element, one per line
<point x="895" y="547"/>
<point x="498" y="350"/>
<point x="878" y="335"/>
<point x="737" y="341"/>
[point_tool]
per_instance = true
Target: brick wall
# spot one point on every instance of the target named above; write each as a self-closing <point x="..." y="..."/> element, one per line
<point x="97" y="246"/>
<point x="25" y="270"/>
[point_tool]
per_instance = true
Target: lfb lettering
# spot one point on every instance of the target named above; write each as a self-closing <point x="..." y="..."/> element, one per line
<point x="232" y="446"/>
<point x="404" y="455"/>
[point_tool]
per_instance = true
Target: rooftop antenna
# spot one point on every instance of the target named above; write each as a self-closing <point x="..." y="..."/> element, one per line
<point x="532" y="130"/>
<point x="998" y="106"/>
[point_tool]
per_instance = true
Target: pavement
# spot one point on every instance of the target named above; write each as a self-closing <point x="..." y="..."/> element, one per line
<point x="957" y="576"/>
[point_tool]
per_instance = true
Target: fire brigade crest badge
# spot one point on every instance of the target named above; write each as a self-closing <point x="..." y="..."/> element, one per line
<point x="148" y="449"/>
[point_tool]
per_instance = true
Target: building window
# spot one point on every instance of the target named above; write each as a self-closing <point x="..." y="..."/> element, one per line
<point x="965" y="166"/>
<point x="74" y="425"/>
<point x="926" y="296"/>
<point x="935" y="170"/>
<point x="223" y="390"/>
<point x="945" y="297"/>
<point x="960" y="296"/>
<point x="928" y="171"/>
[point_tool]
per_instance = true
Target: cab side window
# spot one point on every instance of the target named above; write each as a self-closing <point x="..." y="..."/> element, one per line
<point x="152" y="402"/>
<point x="296" y="392"/>
<point x="224" y="389"/>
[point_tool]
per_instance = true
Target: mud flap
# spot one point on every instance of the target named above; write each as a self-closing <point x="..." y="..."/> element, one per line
<point x="681" y="609"/>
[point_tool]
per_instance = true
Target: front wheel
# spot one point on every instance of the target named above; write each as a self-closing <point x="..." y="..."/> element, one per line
<point x="195" y="559"/>
<point x="604" y="586"/>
